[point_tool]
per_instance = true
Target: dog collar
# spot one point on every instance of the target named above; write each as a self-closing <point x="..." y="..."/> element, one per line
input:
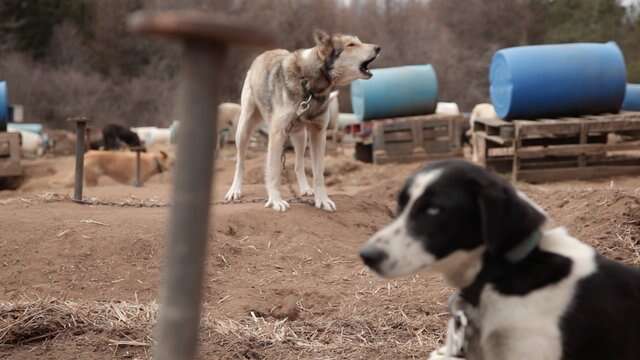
<point x="525" y="248"/>
<point x="308" y="95"/>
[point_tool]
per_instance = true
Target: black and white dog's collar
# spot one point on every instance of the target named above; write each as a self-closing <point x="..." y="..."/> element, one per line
<point x="525" y="248"/>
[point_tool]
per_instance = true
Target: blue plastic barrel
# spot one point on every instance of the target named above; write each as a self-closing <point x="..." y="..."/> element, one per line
<point x="632" y="98"/>
<point x="541" y="81"/>
<point x="395" y="92"/>
<point x="4" y="102"/>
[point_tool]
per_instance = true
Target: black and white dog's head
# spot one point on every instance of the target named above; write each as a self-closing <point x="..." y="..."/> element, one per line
<point x="447" y="213"/>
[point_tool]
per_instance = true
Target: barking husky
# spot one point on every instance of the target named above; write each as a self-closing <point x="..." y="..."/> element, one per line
<point x="290" y="90"/>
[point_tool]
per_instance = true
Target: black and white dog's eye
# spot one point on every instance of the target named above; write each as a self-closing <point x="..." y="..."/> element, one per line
<point x="433" y="211"/>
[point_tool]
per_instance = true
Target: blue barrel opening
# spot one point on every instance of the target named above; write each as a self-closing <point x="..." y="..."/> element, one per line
<point x="4" y="102"/>
<point x="632" y="98"/>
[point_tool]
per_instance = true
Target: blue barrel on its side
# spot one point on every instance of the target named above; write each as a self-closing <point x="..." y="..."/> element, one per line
<point x="4" y="103"/>
<point x="632" y="98"/>
<point x="395" y="92"/>
<point x="541" y="81"/>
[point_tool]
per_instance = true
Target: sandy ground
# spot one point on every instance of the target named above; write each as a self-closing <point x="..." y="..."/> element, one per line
<point x="279" y="286"/>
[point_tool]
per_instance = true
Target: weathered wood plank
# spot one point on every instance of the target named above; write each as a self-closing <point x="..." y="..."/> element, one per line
<point x="577" y="173"/>
<point x="575" y="150"/>
<point x="398" y="136"/>
<point x="418" y="137"/>
<point x="493" y="138"/>
<point x="517" y="143"/>
<point x="384" y="158"/>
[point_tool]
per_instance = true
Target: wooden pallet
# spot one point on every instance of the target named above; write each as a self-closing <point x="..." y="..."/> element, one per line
<point x="560" y="149"/>
<point x="418" y="138"/>
<point x="10" y="153"/>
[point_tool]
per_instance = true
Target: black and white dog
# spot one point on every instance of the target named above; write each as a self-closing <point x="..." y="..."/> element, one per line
<point x="529" y="291"/>
<point x="114" y="134"/>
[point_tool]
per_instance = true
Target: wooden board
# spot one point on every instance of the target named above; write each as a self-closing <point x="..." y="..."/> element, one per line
<point x="10" y="158"/>
<point x="577" y="173"/>
<point x="558" y="149"/>
<point x="417" y="138"/>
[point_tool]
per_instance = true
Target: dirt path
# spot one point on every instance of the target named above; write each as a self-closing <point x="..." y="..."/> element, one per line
<point x="301" y="265"/>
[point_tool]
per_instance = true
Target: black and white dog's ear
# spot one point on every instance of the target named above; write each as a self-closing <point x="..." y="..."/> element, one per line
<point x="506" y="218"/>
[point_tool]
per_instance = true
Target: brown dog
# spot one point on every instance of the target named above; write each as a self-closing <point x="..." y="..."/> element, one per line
<point x="121" y="166"/>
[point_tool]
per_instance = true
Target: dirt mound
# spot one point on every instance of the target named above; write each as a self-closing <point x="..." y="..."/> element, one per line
<point x="607" y="218"/>
<point x="279" y="285"/>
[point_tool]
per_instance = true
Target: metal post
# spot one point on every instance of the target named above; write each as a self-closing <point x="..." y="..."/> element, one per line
<point x="137" y="149"/>
<point x="138" y="184"/>
<point x="81" y="126"/>
<point x="204" y="39"/>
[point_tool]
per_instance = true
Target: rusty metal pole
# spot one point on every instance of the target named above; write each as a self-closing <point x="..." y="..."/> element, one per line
<point x="204" y="38"/>
<point x="81" y="126"/>
<point x="138" y="184"/>
<point x="137" y="149"/>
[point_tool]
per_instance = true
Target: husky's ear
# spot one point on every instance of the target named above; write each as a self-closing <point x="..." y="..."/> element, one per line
<point x="507" y="219"/>
<point x="322" y="38"/>
<point x="324" y="43"/>
<point x="164" y="155"/>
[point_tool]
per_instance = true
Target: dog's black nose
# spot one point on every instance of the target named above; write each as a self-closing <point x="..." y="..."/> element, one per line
<point x="378" y="49"/>
<point x="373" y="257"/>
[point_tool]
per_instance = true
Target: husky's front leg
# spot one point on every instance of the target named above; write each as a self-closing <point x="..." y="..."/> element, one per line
<point x="277" y="138"/>
<point x="318" y="143"/>
<point x="299" y="141"/>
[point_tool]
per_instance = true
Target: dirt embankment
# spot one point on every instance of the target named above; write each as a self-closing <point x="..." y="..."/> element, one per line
<point x="279" y="286"/>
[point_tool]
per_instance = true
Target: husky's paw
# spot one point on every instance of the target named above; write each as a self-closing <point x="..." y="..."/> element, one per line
<point x="277" y="204"/>
<point x="323" y="202"/>
<point x="233" y="194"/>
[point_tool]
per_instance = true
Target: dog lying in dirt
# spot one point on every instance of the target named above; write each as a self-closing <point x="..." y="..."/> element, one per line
<point x="290" y="90"/>
<point x="114" y="134"/>
<point x="121" y="166"/>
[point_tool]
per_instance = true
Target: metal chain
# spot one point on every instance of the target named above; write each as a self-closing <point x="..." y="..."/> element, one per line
<point x="136" y="203"/>
<point x="283" y="157"/>
<point x="126" y="203"/>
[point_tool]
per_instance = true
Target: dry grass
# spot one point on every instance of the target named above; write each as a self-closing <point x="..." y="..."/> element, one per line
<point x="32" y="321"/>
<point x="352" y="330"/>
<point x="367" y="331"/>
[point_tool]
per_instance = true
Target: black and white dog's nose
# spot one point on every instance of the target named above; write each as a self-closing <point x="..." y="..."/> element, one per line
<point x="373" y="257"/>
<point x="377" y="49"/>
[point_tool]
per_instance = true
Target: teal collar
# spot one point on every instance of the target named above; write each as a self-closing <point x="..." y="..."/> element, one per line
<point x="525" y="248"/>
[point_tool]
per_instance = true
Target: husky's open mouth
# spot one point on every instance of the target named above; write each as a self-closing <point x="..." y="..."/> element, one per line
<point x="364" y="67"/>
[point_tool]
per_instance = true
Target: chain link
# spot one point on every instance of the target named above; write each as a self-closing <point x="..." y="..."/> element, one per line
<point x="133" y="202"/>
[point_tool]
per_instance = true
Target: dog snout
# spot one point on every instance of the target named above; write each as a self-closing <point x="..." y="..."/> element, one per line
<point x="377" y="49"/>
<point x="373" y="257"/>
